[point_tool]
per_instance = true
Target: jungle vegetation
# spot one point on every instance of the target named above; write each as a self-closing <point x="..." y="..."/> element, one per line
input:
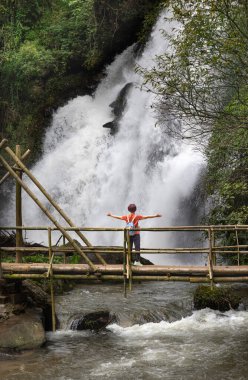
<point x="52" y="50"/>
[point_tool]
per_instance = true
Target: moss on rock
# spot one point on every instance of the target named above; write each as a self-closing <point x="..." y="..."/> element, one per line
<point x="216" y="298"/>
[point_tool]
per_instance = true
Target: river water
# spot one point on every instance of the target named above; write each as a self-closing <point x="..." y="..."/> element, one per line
<point x="158" y="336"/>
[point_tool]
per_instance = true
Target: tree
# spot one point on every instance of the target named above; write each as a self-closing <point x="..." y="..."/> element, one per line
<point x="205" y="70"/>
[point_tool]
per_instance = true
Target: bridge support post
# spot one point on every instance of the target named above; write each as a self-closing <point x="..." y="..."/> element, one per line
<point x="125" y="263"/>
<point x="129" y="260"/>
<point x="237" y="241"/>
<point x="19" y="238"/>
<point x="210" y="258"/>
<point x="50" y="274"/>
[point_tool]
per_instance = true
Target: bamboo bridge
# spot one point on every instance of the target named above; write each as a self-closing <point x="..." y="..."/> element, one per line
<point x="98" y="269"/>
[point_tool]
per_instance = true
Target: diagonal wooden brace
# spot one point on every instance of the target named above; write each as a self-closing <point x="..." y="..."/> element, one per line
<point x="25" y="155"/>
<point x="47" y="213"/>
<point x="49" y="198"/>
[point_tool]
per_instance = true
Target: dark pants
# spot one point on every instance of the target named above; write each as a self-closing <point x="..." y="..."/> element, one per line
<point x="135" y="240"/>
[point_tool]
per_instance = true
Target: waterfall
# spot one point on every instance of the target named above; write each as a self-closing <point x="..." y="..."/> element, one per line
<point x="90" y="171"/>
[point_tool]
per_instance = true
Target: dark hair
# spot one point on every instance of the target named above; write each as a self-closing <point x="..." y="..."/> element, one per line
<point x="132" y="207"/>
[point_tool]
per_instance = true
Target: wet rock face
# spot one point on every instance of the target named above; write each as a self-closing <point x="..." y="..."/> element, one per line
<point x="93" y="321"/>
<point x="118" y="107"/>
<point x="216" y="298"/>
<point x="24" y="331"/>
<point x="37" y="297"/>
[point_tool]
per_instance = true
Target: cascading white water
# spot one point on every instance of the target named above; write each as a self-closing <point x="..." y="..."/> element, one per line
<point x="89" y="172"/>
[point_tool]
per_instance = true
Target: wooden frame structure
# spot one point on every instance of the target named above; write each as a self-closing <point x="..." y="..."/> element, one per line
<point x="125" y="272"/>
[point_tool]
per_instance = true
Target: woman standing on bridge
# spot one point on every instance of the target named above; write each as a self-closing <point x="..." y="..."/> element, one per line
<point x="132" y="220"/>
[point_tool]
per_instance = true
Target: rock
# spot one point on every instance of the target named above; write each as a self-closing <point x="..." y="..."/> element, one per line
<point x="37" y="297"/>
<point x="118" y="107"/>
<point x="93" y="321"/>
<point x="35" y="292"/>
<point x="119" y="104"/>
<point x="216" y="298"/>
<point x="24" y="331"/>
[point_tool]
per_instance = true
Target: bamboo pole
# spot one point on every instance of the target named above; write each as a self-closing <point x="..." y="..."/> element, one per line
<point x="210" y="258"/>
<point x="50" y="199"/>
<point x="43" y="208"/>
<point x="19" y="238"/>
<point x="65" y="257"/>
<point x="71" y="249"/>
<point x="50" y="274"/>
<point x="237" y="239"/>
<point x="50" y="252"/>
<point x="135" y="278"/>
<point x="1" y="269"/>
<point x="231" y="246"/>
<point x="3" y="143"/>
<point x="125" y="264"/>
<point x="213" y="244"/>
<point x="129" y="260"/>
<point x="118" y="268"/>
<point x="25" y="155"/>
<point x="161" y="229"/>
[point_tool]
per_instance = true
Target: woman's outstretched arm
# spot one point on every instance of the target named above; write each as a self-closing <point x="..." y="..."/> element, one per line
<point x="114" y="216"/>
<point x="151" y="216"/>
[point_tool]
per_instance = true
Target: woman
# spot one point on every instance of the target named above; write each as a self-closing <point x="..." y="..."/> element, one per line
<point x="130" y="219"/>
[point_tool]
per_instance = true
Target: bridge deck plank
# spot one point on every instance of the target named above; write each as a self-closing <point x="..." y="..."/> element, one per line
<point x="118" y="269"/>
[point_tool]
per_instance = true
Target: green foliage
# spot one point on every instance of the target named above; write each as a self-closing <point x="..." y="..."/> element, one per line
<point x="205" y="69"/>
<point x="29" y="62"/>
<point x="38" y="258"/>
<point x="149" y="21"/>
<point x="227" y="171"/>
<point x="48" y="52"/>
<point x="216" y="298"/>
<point x="74" y="259"/>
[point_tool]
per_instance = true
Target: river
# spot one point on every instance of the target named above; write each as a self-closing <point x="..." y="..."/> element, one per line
<point x="180" y="343"/>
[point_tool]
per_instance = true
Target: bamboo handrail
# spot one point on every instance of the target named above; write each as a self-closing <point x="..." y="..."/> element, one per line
<point x="210" y="257"/>
<point x="125" y="263"/>
<point x="231" y="246"/>
<point x="237" y="240"/>
<point x="102" y="229"/>
<point x="129" y="260"/>
<point x="146" y="252"/>
<point x="18" y="204"/>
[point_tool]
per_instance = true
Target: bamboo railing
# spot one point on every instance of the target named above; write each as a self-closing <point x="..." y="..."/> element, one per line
<point x="210" y="273"/>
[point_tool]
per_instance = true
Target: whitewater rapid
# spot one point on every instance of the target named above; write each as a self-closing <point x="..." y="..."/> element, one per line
<point x="90" y="172"/>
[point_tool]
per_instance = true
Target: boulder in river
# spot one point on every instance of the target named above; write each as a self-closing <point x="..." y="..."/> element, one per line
<point x="95" y="321"/>
<point x="23" y="331"/>
<point x="216" y="298"/>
